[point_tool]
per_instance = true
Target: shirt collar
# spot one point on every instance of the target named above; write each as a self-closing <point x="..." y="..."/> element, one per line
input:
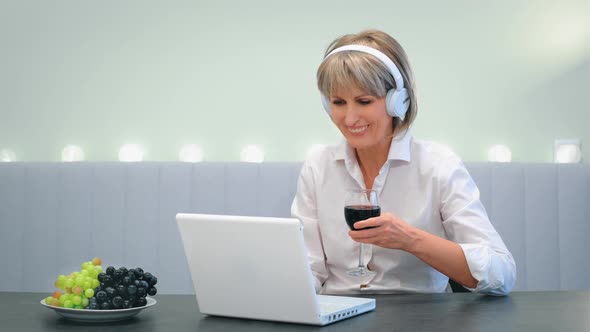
<point x="399" y="149"/>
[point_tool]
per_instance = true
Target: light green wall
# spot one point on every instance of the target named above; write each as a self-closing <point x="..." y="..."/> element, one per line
<point x="225" y="73"/>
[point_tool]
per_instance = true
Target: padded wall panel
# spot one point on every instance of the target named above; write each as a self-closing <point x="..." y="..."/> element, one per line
<point x="40" y="246"/>
<point x="75" y="199"/>
<point x="109" y="214"/>
<point x="208" y="188"/>
<point x="574" y="224"/>
<point x="277" y="199"/>
<point x="542" y="227"/>
<point x="141" y="216"/>
<point x="508" y="212"/>
<point x="243" y="196"/>
<point x="12" y="206"/>
<point x="174" y="197"/>
<point x="53" y="216"/>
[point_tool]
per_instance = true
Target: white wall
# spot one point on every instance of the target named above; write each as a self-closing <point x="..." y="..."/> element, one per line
<point x="225" y="73"/>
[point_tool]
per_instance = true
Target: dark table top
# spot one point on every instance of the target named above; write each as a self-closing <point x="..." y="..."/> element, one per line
<point x="520" y="311"/>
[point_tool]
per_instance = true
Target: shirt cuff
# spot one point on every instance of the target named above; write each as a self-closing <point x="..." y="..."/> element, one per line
<point x="490" y="277"/>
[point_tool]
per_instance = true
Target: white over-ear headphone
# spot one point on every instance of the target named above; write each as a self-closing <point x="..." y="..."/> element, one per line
<point x="397" y="100"/>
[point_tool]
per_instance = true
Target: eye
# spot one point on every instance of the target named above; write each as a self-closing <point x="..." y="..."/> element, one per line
<point x="338" y="102"/>
<point x="364" y="101"/>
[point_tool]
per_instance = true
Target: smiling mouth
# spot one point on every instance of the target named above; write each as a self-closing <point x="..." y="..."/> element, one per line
<point x="358" y="130"/>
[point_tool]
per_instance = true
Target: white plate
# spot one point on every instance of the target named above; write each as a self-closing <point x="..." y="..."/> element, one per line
<point x="88" y="315"/>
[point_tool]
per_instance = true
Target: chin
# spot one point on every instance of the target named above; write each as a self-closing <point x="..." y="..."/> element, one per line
<point x="359" y="143"/>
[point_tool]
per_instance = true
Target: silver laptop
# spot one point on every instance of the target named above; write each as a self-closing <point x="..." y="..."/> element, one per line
<point x="257" y="268"/>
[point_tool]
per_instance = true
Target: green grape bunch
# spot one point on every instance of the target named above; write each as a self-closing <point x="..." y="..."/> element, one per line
<point x="77" y="287"/>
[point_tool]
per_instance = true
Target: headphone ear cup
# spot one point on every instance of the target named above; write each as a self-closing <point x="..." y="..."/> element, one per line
<point x="326" y="104"/>
<point x="397" y="103"/>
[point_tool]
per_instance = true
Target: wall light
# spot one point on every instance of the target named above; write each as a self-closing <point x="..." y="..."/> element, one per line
<point x="72" y="153"/>
<point x="500" y="153"/>
<point x="567" y="151"/>
<point x="252" y="154"/>
<point x="130" y="153"/>
<point x="7" y="155"/>
<point x="190" y="153"/>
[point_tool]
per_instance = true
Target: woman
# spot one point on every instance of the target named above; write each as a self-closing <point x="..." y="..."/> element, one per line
<point x="432" y="227"/>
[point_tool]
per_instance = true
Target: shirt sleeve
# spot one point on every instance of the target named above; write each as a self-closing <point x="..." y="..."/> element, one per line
<point x="466" y="223"/>
<point x="304" y="208"/>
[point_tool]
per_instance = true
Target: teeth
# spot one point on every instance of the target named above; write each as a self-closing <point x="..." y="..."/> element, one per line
<point x="357" y="130"/>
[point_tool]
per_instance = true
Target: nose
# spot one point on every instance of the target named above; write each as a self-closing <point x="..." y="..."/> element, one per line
<point x="352" y="115"/>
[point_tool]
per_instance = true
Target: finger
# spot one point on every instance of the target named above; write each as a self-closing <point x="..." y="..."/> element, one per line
<point x="363" y="240"/>
<point x="364" y="234"/>
<point x="371" y="222"/>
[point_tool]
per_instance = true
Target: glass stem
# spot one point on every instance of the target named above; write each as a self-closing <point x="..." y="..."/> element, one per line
<point x="361" y="259"/>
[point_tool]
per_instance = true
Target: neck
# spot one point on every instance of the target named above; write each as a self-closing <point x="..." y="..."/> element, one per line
<point x="372" y="159"/>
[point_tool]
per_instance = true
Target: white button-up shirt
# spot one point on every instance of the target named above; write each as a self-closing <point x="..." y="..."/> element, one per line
<point x="423" y="183"/>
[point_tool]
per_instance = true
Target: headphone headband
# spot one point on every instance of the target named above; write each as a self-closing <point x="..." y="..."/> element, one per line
<point x="397" y="100"/>
<point x="397" y="76"/>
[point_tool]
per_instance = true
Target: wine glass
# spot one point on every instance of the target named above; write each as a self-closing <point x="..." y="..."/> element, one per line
<point x="360" y="205"/>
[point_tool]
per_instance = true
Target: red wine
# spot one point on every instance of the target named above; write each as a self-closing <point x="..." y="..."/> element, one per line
<point x="354" y="213"/>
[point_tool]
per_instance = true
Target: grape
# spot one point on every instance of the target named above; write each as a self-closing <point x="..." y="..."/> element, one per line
<point x="141" y="302"/>
<point x="141" y="292"/>
<point x="132" y="289"/>
<point x="111" y="292"/>
<point x="122" y="290"/>
<point x="117" y="302"/>
<point x="107" y="280"/>
<point x="69" y="283"/>
<point x="77" y="290"/>
<point x="126" y="280"/>
<point x="101" y="296"/>
<point x="110" y="270"/>
<point x="138" y="273"/>
<point x="89" y="293"/>
<point x="152" y="291"/>
<point x="52" y="301"/>
<point x="153" y="281"/>
<point x="117" y="275"/>
<point x="105" y="306"/>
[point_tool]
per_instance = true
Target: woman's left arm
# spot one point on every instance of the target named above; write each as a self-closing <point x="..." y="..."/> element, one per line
<point x="443" y="255"/>
<point x="474" y="256"/>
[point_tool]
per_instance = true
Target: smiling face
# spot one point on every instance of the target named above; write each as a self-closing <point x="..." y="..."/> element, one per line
<point x="361" y="118"/>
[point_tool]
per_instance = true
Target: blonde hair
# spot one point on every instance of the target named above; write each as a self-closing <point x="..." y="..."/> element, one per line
<point x="348" y="69"/>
